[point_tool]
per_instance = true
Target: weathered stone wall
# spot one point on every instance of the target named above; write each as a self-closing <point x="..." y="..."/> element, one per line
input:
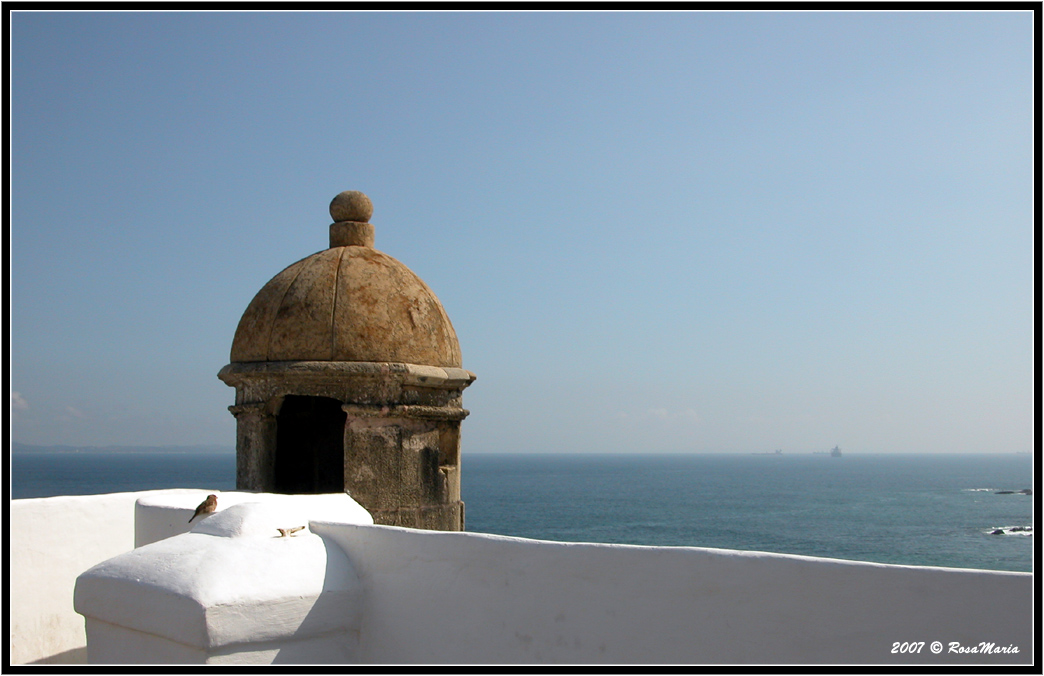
<point x="401" y="436"/>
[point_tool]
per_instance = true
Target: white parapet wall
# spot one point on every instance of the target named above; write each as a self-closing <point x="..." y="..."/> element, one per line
<point x="465" y="598"/>
<point x="247" y="584"/>
<point x="52" y="541"/>
<point x="469" y="598"/>
<point x="160" y="516"/>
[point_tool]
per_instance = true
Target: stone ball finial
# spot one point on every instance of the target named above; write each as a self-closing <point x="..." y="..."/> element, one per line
<point x="351" y="205"/>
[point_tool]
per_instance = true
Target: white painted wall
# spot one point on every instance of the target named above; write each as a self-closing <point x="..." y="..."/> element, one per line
<point x="230" y="591"/>
<point x="162" y="515"/>
<point x="52" y="541"/>
<point x="472" y="598"/>
<point x="427" y="597"/>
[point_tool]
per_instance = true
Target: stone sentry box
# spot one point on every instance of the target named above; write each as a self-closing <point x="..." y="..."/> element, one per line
<point x="348" y="378"/>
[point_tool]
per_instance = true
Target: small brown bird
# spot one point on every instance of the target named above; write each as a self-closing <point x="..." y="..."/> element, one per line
<point x="288" y="532"/>
<point x="206" y="507"/>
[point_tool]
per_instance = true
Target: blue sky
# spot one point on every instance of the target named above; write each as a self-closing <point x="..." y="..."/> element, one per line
<point x="653" y="232"/>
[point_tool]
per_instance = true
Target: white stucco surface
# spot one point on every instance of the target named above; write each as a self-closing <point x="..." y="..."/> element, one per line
<point x="129" y="646"/>
<point x="340" y="593"/>
<point x="52" y="541"/>
<point x="165" y="515"/>
<point x="231" y="587"/>
<point x="472" y="598"/>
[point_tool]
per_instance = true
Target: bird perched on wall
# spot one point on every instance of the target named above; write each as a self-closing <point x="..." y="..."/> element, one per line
<point x="206" y="507"/>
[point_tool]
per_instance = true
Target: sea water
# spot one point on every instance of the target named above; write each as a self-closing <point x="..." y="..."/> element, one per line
<point x="41" y="475"/>
<point x="930" y="509"/>
<point x="908" y="509"/>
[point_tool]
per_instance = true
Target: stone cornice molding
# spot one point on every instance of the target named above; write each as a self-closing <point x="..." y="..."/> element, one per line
<point x="407" y="411"/>
<point x="248" y="409"/>
<point x="417" y="375"/>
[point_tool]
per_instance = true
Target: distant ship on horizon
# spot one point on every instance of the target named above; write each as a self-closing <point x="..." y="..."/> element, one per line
<point x="835" y="452"/>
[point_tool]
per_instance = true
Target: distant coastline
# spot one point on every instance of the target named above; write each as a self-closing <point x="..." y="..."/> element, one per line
<point x="17" y="447"/>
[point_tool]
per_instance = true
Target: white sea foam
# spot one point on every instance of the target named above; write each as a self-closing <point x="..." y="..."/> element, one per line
<point x="1008" y="530"/>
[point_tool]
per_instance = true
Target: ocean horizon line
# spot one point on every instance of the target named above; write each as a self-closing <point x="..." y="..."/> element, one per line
<point x="20" y="447"/>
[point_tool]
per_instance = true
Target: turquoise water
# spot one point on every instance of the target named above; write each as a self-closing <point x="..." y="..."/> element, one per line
<point x="908" y="509"/>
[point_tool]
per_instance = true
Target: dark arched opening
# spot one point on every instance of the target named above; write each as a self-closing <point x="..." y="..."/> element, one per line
<point x="309" y="455"/>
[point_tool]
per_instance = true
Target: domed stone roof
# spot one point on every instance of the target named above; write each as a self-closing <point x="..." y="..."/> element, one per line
<point x="347" y="303"/>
